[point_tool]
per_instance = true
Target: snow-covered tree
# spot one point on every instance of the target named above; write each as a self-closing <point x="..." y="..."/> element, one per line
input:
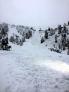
<point x="12" y="39"/>
<point x="59" y="29"/>
<point x="55" y="38"/>
<point x="4" y="37"/>
<point x="42" y="40"/>
<point x="46" y="34"/>
<point x="68" y="46"/>
<point x="28" y="34"/>
<point x="68" y="22"/>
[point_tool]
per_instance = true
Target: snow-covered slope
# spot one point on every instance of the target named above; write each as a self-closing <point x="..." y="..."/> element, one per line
<point x="53" y="35"/>
<point x="18" y="34"/>
<point x="33" y="68"/>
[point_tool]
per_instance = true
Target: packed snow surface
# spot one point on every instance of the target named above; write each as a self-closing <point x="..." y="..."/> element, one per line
<point x="33" y="68"/>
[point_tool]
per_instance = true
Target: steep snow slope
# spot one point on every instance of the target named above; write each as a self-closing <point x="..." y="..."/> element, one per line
<point x="33" y="68"/>
<point x="36" y="38"/>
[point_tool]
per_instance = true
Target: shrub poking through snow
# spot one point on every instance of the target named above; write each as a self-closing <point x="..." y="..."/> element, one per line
<point x="55" y="50"/>
<point x="42" y="40"/>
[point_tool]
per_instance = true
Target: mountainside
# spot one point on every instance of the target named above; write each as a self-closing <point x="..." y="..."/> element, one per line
<point x="35" y="65"/>
<point x="55" y="39"/>
<point x="18" y="34"/>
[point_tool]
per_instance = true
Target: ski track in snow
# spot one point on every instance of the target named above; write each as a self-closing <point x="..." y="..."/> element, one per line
<point x="25" y="69"/>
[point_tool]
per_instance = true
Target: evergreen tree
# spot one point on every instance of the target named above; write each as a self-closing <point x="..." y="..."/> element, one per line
<point x="68" y="46"/>
<point x="59" y="29"/>
<point x="49" y="29"/>
<point x="12" y="39"/>
<point x="68" y="23"/>
<point x="4" y="37"/>
<point x="42" y="40"/>
<point x="46" y="34"/>
<point x="64" y="29"/>
<point x="63" y="40"/>
<point x="55" y="38"/>
<point x="28" y="34"/>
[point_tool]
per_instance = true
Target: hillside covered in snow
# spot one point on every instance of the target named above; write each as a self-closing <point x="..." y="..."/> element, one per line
<point x="35" y="61"/>
<point x="55" y="39"/>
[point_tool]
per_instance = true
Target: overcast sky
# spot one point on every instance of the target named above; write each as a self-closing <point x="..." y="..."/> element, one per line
<point x="34" y="12"/>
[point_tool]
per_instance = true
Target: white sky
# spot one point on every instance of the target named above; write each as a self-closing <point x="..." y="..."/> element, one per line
<point x="34" y="12"/>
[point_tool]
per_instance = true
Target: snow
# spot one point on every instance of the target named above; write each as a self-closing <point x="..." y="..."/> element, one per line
<point x="36" y="38"/>
<point x="13" y="31"/>
<point x="33" y="68"/>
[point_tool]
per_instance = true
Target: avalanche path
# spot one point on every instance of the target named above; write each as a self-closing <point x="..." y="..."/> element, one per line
<point x="33" y="68"/>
